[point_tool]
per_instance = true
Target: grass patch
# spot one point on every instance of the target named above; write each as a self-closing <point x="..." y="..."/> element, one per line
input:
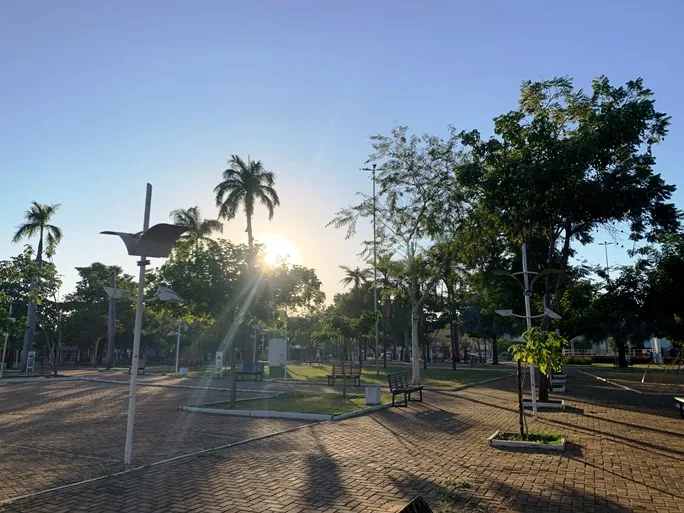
<point x="542" y="438"/>
<point x="28" y="376"/>
<point x="439" y="377"/>
<point x="305" y="402"/>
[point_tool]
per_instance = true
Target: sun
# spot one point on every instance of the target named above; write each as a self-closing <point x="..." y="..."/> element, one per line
<point x="278" y="249"/>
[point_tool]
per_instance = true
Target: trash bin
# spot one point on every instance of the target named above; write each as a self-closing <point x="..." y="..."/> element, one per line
<point x="184" y="372"/>
<point x="372" y="395"/>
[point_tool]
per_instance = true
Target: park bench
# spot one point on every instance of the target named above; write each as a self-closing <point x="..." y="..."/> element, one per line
<point x="679" y="401"/>
<point x="251" y="369"/>
<point x="351" y="371"/>
<point x="141" y="368"/>
<point x="399" y="384"/>
<point x="189" y="362"/>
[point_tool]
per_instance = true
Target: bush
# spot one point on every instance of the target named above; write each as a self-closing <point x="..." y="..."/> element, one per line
<point x="577" y="360"/>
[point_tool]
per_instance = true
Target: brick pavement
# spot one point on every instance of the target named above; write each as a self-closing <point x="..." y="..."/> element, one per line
<point x="52" y="434"/>
<point x="625" y="455"/>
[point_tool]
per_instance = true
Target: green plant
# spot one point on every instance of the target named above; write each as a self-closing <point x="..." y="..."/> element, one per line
<point x="577" y="360"/>
<point x="541" y="348"/>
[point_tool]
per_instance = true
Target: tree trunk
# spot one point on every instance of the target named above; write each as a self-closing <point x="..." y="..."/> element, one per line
<point x="29" y="334"/>
<point x="250" y="240"/>
<point x="111" y="324"/>
<point x="521" y="411"/>
<point x="344" y="374"/>
<point x="622" y="355"/>
<point x="495" y="351"/>
<point x="543" y="387"/>
<point x="415" y="344"/>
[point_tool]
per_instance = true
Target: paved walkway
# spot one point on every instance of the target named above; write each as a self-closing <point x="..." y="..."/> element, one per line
<point x="625" y="455"/>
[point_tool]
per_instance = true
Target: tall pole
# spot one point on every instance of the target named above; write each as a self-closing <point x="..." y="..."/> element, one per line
<point x="285" y="365"/>
<point x="255" y="340"/>
<point x="605" y="245"/>
<point x="4" y="345"/>
<point x="528" y="320"/>
<point x="375" y="284"/>
<point x="128" y="451"/>
<point x="111" y="327"/>
<point x="178" y="344"/>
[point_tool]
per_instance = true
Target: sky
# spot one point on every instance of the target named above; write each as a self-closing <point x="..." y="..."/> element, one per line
<point x="98" y="98"/>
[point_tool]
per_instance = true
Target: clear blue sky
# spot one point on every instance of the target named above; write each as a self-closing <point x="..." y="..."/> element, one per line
<point x="97" y="98"/>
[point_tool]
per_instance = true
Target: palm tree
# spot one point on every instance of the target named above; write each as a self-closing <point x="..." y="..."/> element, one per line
<point x="243" y="184"/>
<point x="37" y="223"/>
<point x="198" y="228"/>
<point x="356" y="276"/>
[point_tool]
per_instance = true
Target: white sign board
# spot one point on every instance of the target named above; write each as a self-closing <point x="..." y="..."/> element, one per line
<point x="30" y="361"/>
<point x="276" y="352"/>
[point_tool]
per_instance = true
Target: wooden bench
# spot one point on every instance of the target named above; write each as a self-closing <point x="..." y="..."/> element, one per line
<point x="399" y="384"/>
<point x="141" y="368"/>
<point x="351" y="371"/>
<point x="251" y="369"/>
<point x="679" y="401"/>
<point x="189" y="362"/>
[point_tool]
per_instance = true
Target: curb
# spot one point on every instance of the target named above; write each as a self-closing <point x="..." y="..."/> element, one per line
<point x="265" y="414"/>
<point x="358" y="413"/>
<point x="4" y="381"/>
<point x="170" y="385"/>
<point x="665" y="394"/>
<point x="525" y="445"/>
<point x="469" y="385"/>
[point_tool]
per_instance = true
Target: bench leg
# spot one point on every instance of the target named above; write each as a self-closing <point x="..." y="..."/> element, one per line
<point x="421" y="395"/>
<point x="406" y="399"/>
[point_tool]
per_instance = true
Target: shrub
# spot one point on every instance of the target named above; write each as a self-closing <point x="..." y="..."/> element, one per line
<point x="577" y="360"/>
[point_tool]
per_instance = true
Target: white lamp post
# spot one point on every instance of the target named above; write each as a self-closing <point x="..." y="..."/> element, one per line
<point x="528" y="315"/>
<point x="151" y="242"/>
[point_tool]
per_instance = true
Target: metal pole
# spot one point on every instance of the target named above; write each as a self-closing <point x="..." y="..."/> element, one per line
<point x="375" y="284"/>
<point x="4" y="345"/>
<point x="255" y="342"/>
<point x="178" y="344"/>
<point x="128" y="451"/>
<point x="528" y="320"/>
<point x="285" y="365"/>
<point x="111" y="328"/>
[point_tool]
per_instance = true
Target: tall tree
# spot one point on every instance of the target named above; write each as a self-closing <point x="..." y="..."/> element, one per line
<point x="245" y="183"/>
<point x="566" y="163"/>
<point x="198" y="229"/>
<point x="355" y="277"/>
<point x="414" y="181"/>
<point x="37" y="222"/>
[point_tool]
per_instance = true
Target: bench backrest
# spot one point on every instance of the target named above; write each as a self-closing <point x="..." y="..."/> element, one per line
<point x="350" y="369"/>
<point x="253" y="367"/>
<point x="398" y="380"/>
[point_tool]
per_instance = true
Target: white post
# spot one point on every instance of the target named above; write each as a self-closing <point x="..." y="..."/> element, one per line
<point x="128" y="451"/>
<point x="375" y="284"/>
<point x="178" y="344"/>
<point x="255" y="340"/>
<point x="528" y="319"/>
<point x="285" y="364"/>
<point x="4" y="345"/>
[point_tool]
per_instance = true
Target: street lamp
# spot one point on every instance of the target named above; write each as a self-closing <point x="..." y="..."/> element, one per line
<point x="375" y="277"/>
<point x="527" y="287"/>
<point x="156" y="242"/>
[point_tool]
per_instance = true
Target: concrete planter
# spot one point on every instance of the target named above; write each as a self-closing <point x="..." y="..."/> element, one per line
<point x="492" y="441"/>
<point x="557" y="381"/>
<point x="552" y="404"/>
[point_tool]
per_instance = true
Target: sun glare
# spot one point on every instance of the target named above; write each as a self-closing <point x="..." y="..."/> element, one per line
<point x="278" y="249"/>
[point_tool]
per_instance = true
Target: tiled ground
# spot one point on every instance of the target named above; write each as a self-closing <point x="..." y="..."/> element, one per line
<point x="57" y="433"/>
<point x="625" y="455"/>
